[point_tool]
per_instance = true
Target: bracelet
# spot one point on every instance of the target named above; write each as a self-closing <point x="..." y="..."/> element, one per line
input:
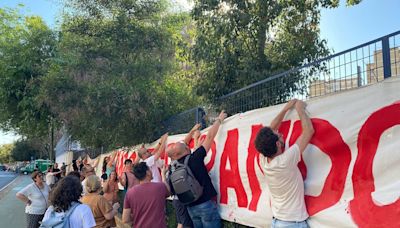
<point x="219" y="120"/>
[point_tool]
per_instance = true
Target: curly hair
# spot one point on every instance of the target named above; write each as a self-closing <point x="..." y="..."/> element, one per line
<point x="265" y="142"/>
<point x="67" y="190"/>
<point x="139" y="170"/>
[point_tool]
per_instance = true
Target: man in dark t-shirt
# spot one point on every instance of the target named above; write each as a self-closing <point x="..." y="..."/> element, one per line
<point x="204" y="211"/>
<point x="56" y="169"/>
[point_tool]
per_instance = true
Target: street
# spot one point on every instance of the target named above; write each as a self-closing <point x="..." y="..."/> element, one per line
<point x="12" y="211"/>
<point x="6" y="178"/>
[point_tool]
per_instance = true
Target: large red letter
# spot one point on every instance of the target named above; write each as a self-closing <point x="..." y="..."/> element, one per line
<point x="363" y="209"/>
<point x="250" y="167"/>
<point x="231" y="178"/>
<point x="328" y="139"/>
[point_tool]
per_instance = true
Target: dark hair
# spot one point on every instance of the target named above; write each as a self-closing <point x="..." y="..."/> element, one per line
<point x="104" y="176"/>
<point x="127" y="161"/>
<point x="67" y="190"/>
<point x="116" y="175"/>
<point x="104" y="167"/>
<point x="265" y="142"/>
<point x="139" y="170"/>
<point x="75" y="173"/>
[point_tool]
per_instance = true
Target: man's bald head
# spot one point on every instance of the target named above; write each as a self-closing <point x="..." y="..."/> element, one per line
<point x="143" y="153"/>
<point x="178" y="150"/>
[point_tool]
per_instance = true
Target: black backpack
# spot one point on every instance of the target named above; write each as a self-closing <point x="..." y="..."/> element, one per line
<point x="184" y="183"/>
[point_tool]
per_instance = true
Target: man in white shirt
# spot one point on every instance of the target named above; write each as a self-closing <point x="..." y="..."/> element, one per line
<point x="153" y="160"/>
<point x="284" y="179"/>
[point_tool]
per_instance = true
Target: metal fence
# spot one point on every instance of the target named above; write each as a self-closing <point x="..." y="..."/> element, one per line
<point x="183" y="122"/>
<point x="362" y="65"/>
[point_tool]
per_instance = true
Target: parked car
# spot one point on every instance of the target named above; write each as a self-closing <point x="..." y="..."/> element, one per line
<point x="3" y="168"/>
<point x="39" y="164"/>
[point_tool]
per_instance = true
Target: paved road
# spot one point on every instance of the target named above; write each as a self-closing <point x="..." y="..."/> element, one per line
<point x="5" y="178"/>
<point x="12" y="211"/>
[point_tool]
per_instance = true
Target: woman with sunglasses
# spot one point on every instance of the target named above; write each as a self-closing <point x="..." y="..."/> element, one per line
<point x="35" y="196"/>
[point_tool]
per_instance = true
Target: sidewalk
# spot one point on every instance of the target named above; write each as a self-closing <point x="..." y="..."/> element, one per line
<point x="12" y="211"/>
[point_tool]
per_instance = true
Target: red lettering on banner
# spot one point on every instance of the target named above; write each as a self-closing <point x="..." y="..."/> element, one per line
<point x="284" y="129"/>
<point x="250" y="168"/>
<point x="328" y="139"/>
<point x="364" y="211"/>
<point x="231" y="178"/>
<point x="133" y="156"/>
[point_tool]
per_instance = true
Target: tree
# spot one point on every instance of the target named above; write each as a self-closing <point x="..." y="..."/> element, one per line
<point x="26" y="45"/>
<point x="239" y="42"/>
<point x="5" y="153"/>
<point x="23" y="151"/>
<point x="112" y="82"/>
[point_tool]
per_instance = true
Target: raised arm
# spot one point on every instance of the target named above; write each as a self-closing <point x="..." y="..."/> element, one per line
<point x="189" y="136"/>
<point x="213" y="131"/>
<point x="160" y="147"/>
<point x="197" y="140"/>
<point x="306" y="125"/>
<point x="111" y="161"/>
<point x="276" y="122"/>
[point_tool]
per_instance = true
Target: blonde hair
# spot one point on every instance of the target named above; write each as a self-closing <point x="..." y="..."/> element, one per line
<point x="92" y="183"/>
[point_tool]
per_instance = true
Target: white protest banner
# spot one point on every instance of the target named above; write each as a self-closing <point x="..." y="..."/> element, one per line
<point x="351" y="167"/>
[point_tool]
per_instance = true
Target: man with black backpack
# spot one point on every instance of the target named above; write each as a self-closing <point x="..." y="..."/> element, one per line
<point x="190" y="180"/>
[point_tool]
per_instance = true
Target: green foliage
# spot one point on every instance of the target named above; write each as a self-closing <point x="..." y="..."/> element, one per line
<point x="26" y="45"/>
<point x="115" y="75"/>
<point x="23" y="150"/>
<point x="5" y="153"/>
<point x="239" y="42"/>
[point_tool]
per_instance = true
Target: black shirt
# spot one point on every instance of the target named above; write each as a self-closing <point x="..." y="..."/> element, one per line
<point x="199" y="170"/>
<point x="57" y="175"/>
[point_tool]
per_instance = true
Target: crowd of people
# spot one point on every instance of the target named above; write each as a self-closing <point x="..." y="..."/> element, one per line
<point x="82" y="199"/>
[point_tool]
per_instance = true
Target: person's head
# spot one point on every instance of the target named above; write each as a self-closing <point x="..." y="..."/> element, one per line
<point x="113" y="176"/>
<point x="37" y="177"/>
<point x="56" y="165"/>
<point x="128" y="164"/>
<point x="75" y="173"/>
<point x="269" y="142"/>
<point x="178" y="150"/>
<point x="142" y="172"/>
<point x="93" y="184"/>
<point x="67" y="190"/>
<point x="144" y="153"/>
<point x="50" y="168"/>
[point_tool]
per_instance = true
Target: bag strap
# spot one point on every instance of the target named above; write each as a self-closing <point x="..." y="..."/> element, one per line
<point x="126" y="181"/>
<point x="186" y="162"/>
<point x="71" y="209"/>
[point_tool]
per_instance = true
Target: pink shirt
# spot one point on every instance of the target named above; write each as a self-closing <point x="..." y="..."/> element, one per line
<point x="147" y="204"/>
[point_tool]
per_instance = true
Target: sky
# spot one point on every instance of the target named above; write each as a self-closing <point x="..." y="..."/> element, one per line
<point x="342" y="27"/>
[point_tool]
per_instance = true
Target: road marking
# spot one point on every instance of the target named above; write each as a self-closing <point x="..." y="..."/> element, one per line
<point x="8" y="184"/>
